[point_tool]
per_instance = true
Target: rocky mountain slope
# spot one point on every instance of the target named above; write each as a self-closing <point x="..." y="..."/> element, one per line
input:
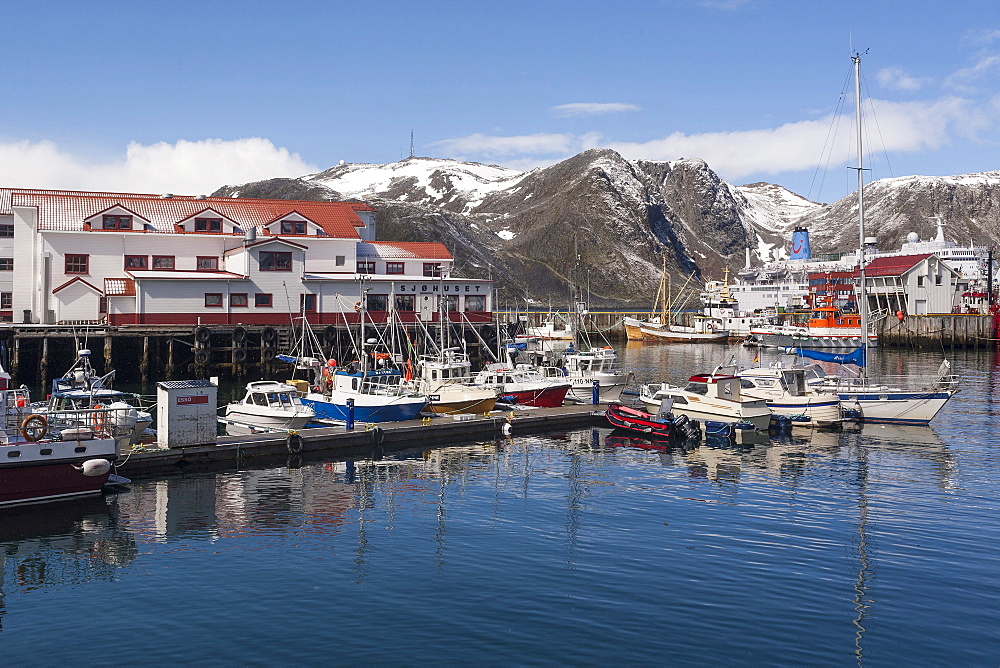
<point x="608" y="224"/>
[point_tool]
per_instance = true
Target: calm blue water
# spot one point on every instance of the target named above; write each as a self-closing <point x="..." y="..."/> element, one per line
<point x="874" y="548"/>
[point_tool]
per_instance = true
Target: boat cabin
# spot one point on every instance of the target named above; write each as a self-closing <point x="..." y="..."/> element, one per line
<point x="595" y="359"/>
<point x="830" y="316"/>
<point x="788" y="381"/>
<point x="718" y="387"/>
<point x="273" y="395"/>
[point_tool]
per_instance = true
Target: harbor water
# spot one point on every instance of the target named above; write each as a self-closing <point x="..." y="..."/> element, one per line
<point x="873" y="547"/>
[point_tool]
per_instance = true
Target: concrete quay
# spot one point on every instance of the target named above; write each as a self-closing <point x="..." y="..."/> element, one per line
<point x="363" y="442"/>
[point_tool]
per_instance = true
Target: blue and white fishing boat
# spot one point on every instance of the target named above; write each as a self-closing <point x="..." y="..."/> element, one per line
<point x="374" y="386"/>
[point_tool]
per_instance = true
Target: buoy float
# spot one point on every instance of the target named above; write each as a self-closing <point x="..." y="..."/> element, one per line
<point x="900" y="315"/>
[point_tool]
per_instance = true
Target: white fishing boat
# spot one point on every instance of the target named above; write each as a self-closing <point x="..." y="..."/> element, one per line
<point x="554" y="327"/>
<point x="583" y="368"/>
<point x="270" y="405"/>
<point x="713" y="397"/>
<point x="80" y="391"/>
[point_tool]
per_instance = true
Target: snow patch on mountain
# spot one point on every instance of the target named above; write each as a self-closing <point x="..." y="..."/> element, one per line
<point x="771" y="207"/>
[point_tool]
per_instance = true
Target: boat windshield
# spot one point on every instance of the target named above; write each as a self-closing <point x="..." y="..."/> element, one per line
<point x="697" y="388"/>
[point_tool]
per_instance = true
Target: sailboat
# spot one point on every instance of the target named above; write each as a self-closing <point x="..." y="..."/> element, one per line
<point x="877" y="402"/>
<point x="702" y="329"/>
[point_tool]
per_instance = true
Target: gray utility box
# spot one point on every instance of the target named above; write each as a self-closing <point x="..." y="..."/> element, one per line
<point x="186" y="413"/>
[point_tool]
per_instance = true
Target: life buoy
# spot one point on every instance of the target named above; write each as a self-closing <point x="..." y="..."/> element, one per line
<point x="294" y="443"/>
<point x="357" y="306"/>
<point x="99" y="419"/>
<point x="34" y="427"/>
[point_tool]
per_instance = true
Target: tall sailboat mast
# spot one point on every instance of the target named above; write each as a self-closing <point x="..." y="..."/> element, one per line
<point x="862" y="288"/>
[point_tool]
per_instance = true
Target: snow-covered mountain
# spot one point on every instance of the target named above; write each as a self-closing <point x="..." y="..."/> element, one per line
<point x="624" y="217"/>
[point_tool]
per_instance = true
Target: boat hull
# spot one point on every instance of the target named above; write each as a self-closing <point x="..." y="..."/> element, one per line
<point x="780" y="340"/>
<point x="548" y="397"/>
<point x="34" y="476"/>
<point x="478" y="405"/>
<point x="402" y="408"/>
<point x="582" y="389"/>
<point x="294" y="422"/>
<point x="916" y="408"/>
<point x="826" y="413"/>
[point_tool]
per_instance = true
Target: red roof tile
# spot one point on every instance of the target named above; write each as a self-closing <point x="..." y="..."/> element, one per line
<point x="66" y="210"/>
<point x="394" y="250"/>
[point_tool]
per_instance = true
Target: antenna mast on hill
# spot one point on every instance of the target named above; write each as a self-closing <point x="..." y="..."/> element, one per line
<point x="411" y="143"/>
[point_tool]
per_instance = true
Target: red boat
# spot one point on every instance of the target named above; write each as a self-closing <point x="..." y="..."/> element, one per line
<point x="51" y="456"/>
<point x="523" y="385"/>
<point x="652" y="426"/>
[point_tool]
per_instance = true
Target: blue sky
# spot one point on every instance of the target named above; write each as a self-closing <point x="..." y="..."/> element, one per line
<point x="186" y="96"/>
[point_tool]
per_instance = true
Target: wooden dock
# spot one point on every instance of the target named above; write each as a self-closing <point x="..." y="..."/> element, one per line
<point x="362" y="442"/>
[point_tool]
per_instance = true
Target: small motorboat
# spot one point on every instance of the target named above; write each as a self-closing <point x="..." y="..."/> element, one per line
<point x="268" y="405"/>
<point x="711" y="398"/>
<point x="524" y="385"/>
<point x="662" y="425"/>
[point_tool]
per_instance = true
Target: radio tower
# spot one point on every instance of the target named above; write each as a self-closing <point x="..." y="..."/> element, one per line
<point x="411" y="143"/>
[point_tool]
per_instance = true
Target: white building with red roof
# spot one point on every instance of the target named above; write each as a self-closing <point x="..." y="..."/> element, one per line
<point x="133" y="259"/>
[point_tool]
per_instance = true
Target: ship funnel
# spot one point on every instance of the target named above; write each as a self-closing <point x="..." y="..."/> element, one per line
<point x="800" y="244"/>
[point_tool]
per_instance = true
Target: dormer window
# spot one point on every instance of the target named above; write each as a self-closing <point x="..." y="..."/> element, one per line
<point x="207" y="224"/>
<point x="293" y="227"/>
<point x="117" y="223"/>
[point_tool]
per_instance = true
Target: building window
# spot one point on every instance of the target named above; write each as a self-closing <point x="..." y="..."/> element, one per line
<point x="475" y="302"/>
<point x="340" y="260"/>
<point x="394" y="267"/>
<point x="937" y="280"/>
<point x="366" y="267"/>
<point x="6" y="300"/>
<point x="77" y="264"/>
<point x="238" y="300"/>
<point x="117" y="223"/>
<point x="262" y="300"/>
<point x="136" y="261"/>
<point x="920" y="281"/>
<point x="213" y="300"/>
<point x="208" y="263"/>
<point x="102" y="305"/>
<point x="6" y="264"/>
<point x="432" y="269"/>
<point x="450" y="303"/>
<point x="163" y="262"/>
<point x="293" y="227"/>
<point x="207" y="224"/>
<point x="6" y="230"/>
<point x="307" y="302"/>
<point x="378" y="303"/>
<point x="406" y="303"/>
<point x="270" y="261"/>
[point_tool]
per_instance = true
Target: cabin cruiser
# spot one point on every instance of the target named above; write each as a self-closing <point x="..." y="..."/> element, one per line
<point x="787" y="392"/>
<point x="711" y="397"/>
<point x="270" y="405"/>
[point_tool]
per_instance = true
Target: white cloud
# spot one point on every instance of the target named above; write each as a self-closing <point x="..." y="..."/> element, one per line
<point x="895" y="127"/>
<point x="591" y="108"/>
<point x="487" y="146"/>
<point x="190" y="167"/>
<point x="896" y="78"/>
<point x="962" y="79"/>
<point x="980" y="37"/>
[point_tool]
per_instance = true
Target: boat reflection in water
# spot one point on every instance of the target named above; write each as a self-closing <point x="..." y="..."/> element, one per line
<point x="52" y="545"/>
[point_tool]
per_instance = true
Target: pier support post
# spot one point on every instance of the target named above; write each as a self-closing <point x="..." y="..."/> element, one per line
<point x="170" y="359"/>
<point x="43" y="362"/>
<point x="349" y="423"/>
<point x="107" y="352"/>
<point x="144" y="364"/>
